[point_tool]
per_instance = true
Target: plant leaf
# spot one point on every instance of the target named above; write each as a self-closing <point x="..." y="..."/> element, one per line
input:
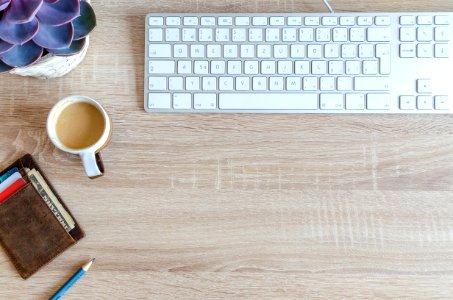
<point x="22" y="55"/>
<point x="22" y="11"/>
<point x="4" y="67"/>
<point x="4" y="4"/>
<point x="75" y="47"/>
<point x="51" y="1"/>
<point x="54" y="37"/>
<point x="84" y="24"/>
<point x="4" y="46"/>
<point x="18" y="33"/>
<point x="60" y="12"/>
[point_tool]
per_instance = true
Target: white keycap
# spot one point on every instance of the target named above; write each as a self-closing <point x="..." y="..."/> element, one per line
<point x="277" y="21"/>
<point x="239" y="35"/>
<point x="247" y="51"/>
<point x="159" y="100"/>
<point x="331" y="101"/>
<point x="189" y="35"/>
<point x="382" y="21"/>
<point x="230" y="51"/>
<point x="336" y="67"/>
<point x="319" y="67"/>
<point x="281" y="51"/>
<point x="407" y="34"/>
<point x="276" y="83"/>
<point x="225" y="21"/>
<point x="201" y="67"/>
<point x="353" y="67"/>
<point x="251" y="67"/>
<point x="205" y="35"/>
<point x="289" y="34"/>
<point x="370" y="67"/>
<point x="157" y="83"/>
<point x="180" y="50"/>
<point x="357" y="34"/>
<point x="364" y="21"/>
<point x="197" y="51"/>
<point x="226" y="83"/>
<point x="184" y="67"/>
<point x="192" y="83"/>
<point x="161" y="67"/>
<point x="234" y="67"/>
<point x="159" y="50"/>
<point x="294" y="21"/>
<point x="323" y="34"/>
<point x="407" y="20"/>
<point x="424" y="34"/>
<point x="424" y="20"/>
<point x="285" y="67"/>
<point x="327" y="83"/>
<point x="407" y="50"/>
<point x="272" y="35"/>
<point x="217" y="67"/>
<point x="347" y="21"/>
<point x="242" y="21"/>
<point x="297" y="51"/>
<point x="441" y="34"/>
<point x="209" y="83"/>
<point x="355" y="101"/>
<point x="441" y="50"/>
<point x="267" y="101"/>
<point x="424" y="50"/>
<point x="314" y="51"/>
<point x="173" y="21"/>
<point x="155" y="21"/>
<point x="190" y="21"/>
<point x="340" y="34"/>
<point x="259" y="83"/>
<point x="293" y="83"/>
<point x="441" y="20"/>
<point x="311" y="21"/>
<point x="371" y="83"/>
<point x="378" y="101"/>
<point x="344" y="83"/>
<point x="207" y="21"/>
<point x="306" y="35"/>
<point x="256" y="35"/>
<point x="379" y="34"/>
<point x="366" y="50"/>
<point x="407" y="102"/>
<point x="329" y="21"/>
<point x="424" y="86"/>
<point x="310" y="83"/>
<point x="242" y="83"/>
<point x="301" y="67"/>
<point x="182" y="101"/>
<point x="441" y="102"/>
<point x="259" y="21"/>
<point x="214" y="51"/>
<point x="222" y="35"/>
<point x="264" y="51"/>
<point x="331" y="51"/>
<point x="155" y="35"/>
<point x="204" y="101"/>
<point x="172" y="35"/>
<point x="424" y="102"/>
<point x="348" y="51"/>
<point x="175" y="83"/>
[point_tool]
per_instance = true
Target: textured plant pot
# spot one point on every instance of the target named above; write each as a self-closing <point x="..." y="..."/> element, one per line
<point x="52" y="66"/>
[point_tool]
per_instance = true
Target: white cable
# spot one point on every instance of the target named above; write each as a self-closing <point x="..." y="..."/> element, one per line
<point x="326" y="2"/>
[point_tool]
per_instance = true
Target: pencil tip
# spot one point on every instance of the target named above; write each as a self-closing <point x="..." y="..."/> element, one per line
<point x="93" y="259"/>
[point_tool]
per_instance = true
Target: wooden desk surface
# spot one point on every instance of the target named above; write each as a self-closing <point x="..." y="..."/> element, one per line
<point x="237" y="206"/>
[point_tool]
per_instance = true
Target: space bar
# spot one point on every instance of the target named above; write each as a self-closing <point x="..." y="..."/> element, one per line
<point x="263" y="101"/>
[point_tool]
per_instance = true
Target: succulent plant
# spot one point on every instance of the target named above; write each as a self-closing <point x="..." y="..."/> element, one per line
<point x="30" y="29"/>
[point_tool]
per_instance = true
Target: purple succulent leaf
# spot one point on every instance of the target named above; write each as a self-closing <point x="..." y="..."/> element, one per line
<point x="4" y="46"/>
<point x="51" y="1"/>
<point x="75" y="47"/>
<point x="84" y="24"/>
<point x="59" y="13"/>
<point x="22" y="11"/>
<point x="54" y="37"/>
<point x="18" y="33"/>
<point x="4" y="4"/>
<point x="4" y="67"/>
<point x="22" y="55"/>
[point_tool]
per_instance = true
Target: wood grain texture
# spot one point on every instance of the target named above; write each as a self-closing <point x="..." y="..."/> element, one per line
<point x="237" y="206"/>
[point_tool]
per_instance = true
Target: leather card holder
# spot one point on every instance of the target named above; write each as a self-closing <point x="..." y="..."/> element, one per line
<point x="30" y="233"/>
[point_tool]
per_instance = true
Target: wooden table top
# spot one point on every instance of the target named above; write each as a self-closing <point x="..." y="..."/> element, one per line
<point x="237" y="206"/>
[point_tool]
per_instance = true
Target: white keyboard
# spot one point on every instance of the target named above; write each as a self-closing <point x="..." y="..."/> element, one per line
<point x="299" y="63"/>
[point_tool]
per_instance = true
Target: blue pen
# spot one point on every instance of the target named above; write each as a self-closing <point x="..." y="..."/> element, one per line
<point x="72" y="280"/>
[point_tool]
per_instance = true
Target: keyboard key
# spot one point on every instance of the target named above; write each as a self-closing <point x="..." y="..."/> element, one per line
<point x="190" y="21"/>
<point x="264" y="51"/>
<point x="242" y="21"/>
<point x="382" y="21"/>
<point x="331" y="101"/>
<point x="285" y="67"/>
<point x="441" y="102"/>
<point x="344" y="83"/>
<point x="323" y="34"/>
<point x="407" y="34"/>
<point x="247" y="101"/>
<point x="340" y="34"/>
<point x="172" y="35"/>
<point x="329" y="21"/>
<point x="161" y="67"/>
<point x="355" y="101"/>
<point x="226" y="83"/>
<point x="239" y="35"/>
<point x="242" y="83"/>
<point x="225" y="21"/>
<point x="201" y="67"/>
<point x="204" y="101"/>
<point x="175" y="83"/>
<point x="289" y="34"/>
<point x="364" y="21"/>
<point x="357" y="34"/>
<point x="370" y="67"/>
<point x="205" y="35"/>
<point x="293" y="83"/>
<point x="310" y="83"/>
<point x="407" y="20"/>
<point x="197" y="51"/>
<point x="277" y="21"/>
<point x="294" y="21"/>
<point x="441" y="50"/>
<point x="424" y="86"/>
<point x="306" y="35"/>
<point x="230" y="51"/>
<point x="182" y="101"/>
<point x="251" y="67"/>
<point x="379" y="34"/>
<point x="424" y="20"/>
<point x="407" y="50"/>
<point x="155" y="35"/>
<point x="424" y="102"/>
<point x="407" y="102"/>
<point x="157" y="83"/>
<point x="314" y="51"/>
<point x="276" y="83"/>
<point x="311" y="21"/>
<point x="371" y="83"/>
<point x="424" y="34"/>
<point x="347" y="21"/>
<point x="378" y="101"/>
<point x="189" y="35"/>
<point x="222" y="35"/>
<point x="297" y="51"/>
<point x="353" y="67"/>
<point x="259" y="21"/>
<point x="327" y="83"/>
<point x="366" y="50"/>
<point x="218" y="67"/>
<point x="247" y="51"/>
<point x="159" y="100"/>
<point x="159" y="50"/>
<point x="207" y="21"/>
<point x="256" y="35"/>
<point x="281" y="51"/>
<point x="259" y="84"/>
<point x="184" y="67"/>
<point x="173" y="21"/>
<point x="441" y="20"/>
<point x="272" y="35"/>
<point x="209" y="83"/>
<point x="424" y="50"/>
<point x="156" y="21"/>
<point x="441" y="34"/>
<point x="214" y="51"/>
<point x="192" y="83"/>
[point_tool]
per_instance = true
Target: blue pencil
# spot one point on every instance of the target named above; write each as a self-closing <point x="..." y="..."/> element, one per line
<point x="72" y="280"/>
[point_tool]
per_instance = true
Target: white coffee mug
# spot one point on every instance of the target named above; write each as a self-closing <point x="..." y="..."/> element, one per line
<point x="90" y="155"/>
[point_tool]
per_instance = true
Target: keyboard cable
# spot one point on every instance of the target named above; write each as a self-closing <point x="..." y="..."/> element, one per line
<point x="326" y="2"/>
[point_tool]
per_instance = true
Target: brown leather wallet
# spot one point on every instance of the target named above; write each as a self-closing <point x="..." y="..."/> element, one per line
<point x="30" y="232"/>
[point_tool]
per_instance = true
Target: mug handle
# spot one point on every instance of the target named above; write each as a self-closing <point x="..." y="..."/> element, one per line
<point x="92" y="162"/>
